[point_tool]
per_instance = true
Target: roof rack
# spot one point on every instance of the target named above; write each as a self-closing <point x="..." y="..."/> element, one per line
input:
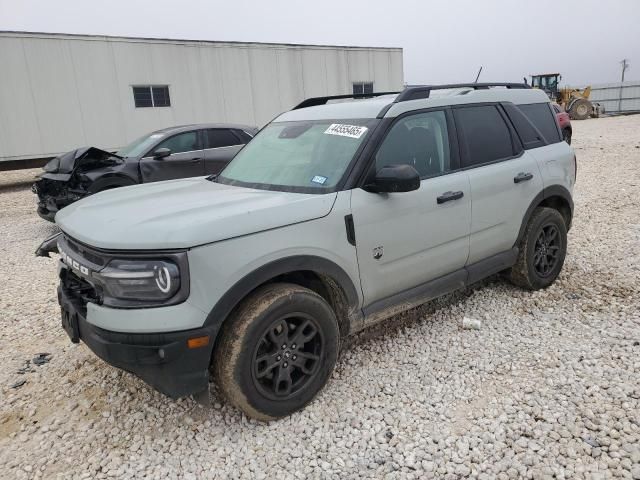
<point x="314" y="101"/>
<point x="415" y="92"/>
<point x="411" y="92"/>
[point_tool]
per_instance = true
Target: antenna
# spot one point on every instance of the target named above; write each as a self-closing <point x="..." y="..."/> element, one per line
<point x="478" y="76"/>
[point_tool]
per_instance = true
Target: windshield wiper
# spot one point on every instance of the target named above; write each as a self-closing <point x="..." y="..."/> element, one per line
<point x="213" y="177"/>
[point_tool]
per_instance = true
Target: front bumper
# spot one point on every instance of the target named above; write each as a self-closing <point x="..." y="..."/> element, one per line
<point x="53" y="194"/>
<point x="163" y="360"/>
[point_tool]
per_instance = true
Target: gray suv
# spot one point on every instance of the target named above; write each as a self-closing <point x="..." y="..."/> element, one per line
<point x="336" y="216"/>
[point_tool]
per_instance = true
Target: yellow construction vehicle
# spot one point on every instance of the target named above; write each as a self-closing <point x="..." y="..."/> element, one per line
<point x="573" y="100"/>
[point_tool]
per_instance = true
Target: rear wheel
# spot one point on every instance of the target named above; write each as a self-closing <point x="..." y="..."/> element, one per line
<point x="277" y="351"/>
<point x="580" y="109"/>
<point x="542" y="250"/>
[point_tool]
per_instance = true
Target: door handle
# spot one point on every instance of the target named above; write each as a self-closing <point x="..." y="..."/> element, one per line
<point x="522" y="177"/>
<point x="449" y="196"/>
<point x="196" y="160"/>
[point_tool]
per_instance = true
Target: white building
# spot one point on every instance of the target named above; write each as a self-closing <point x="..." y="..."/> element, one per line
<point x="59" y="91"/>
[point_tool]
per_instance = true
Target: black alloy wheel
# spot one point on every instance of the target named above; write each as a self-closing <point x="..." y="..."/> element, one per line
<point x="547" y="249"/>
<point x="287" y="357"/>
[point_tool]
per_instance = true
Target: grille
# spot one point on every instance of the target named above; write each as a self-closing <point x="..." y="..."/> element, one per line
<point x="85" y="252"/>
<point x="79" y="291"/>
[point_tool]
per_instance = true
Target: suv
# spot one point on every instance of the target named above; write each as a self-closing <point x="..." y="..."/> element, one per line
<point x="175" y="152"/>
<point x="334" y="217"/>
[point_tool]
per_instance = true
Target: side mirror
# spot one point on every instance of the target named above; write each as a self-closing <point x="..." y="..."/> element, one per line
<point x="395" y="178"/>
<point x="161" y="153"/>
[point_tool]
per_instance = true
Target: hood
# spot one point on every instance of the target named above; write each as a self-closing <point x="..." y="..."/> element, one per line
<point x="183" y="214"/>
<point x="86" y="156"/>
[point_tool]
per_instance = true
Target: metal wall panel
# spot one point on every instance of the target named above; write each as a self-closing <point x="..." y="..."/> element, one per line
<point x="59" y="92"/>
<point x="617" y="97"/>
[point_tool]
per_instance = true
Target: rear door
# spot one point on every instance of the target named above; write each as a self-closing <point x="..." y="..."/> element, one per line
<point x="556" y="159"/>
<point x="186" y="159"/>
<point x="504" y="178"/>
<point x="404" y="240"/>
<point x="221" y="145"/>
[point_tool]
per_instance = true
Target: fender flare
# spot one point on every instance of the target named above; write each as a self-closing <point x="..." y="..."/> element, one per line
<point x="547" y="192"/>
<point x="110" y="182"/>
<point x="319" y="265"/>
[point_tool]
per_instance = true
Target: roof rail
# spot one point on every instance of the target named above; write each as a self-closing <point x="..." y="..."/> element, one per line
<point x="415" y="92"/>
<point x="314" y="101"/>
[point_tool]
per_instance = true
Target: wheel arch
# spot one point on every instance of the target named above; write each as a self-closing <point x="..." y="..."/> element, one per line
<point x="554" y="196"/>
<point x="322" y="276"/>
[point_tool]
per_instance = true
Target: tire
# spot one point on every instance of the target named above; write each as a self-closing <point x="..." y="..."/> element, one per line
<point x="256" y="330"/>
<point x="529" y="271"/>
<point x="566" y="135"/>
<point x="580" y="109"/>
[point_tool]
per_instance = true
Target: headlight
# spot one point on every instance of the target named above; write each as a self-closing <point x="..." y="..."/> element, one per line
<point x="139" y="281"/>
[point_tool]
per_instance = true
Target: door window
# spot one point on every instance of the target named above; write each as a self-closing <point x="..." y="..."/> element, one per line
<point x="485" y="133"/>
<point x="183" y="142"/>
<point x="220" y="137"/>
<point x="419" y="140"/>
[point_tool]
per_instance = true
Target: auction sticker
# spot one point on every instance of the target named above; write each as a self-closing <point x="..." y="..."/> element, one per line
<point x="319" y="179"/>
<point x="351" y="131"/>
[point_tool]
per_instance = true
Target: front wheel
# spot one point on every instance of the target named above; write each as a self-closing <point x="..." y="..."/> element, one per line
<point x="580" y="109"/>
<point x="277" y="351"/>
<point x="542" y="250"/>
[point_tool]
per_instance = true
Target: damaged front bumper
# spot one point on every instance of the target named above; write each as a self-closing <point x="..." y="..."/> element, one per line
<point x="164" y="360"/>
<point x="54" y="194"/>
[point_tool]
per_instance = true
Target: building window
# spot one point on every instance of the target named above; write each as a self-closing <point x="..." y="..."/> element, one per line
<point x="360" y="88"/>
<point x="151" y="96"/>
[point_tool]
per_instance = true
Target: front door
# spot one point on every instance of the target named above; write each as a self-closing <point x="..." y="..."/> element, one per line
<point x="186" y="159"/>
<point x="405" y="240"/>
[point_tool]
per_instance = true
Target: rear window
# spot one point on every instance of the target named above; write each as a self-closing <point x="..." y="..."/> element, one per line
<point x="220" y="137"/>
<point x="244" y="136"/>
<point x="486" y="134"/>
<point x="543" y="119"/>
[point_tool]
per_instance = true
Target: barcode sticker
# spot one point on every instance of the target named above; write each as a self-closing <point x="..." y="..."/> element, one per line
<point x="351" y="131"/>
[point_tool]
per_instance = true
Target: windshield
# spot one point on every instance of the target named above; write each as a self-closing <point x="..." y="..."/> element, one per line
<point x="139" y="146"/>
<point x="304" y="156"/>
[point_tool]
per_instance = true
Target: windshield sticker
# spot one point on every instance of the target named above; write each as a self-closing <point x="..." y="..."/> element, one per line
<point x="319" y="179"/>
<point x="351" y="131"/>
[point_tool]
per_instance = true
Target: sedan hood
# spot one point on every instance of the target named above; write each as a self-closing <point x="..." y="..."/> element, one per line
<point x="183" y="214"/>
<point x="86" y="156"/>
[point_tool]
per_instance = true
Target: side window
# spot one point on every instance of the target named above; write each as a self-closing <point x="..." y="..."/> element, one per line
<point x="544" y="120"/>
<point x="244" y="136"/>
<point x="183" y="142"/>
<point x="220" y="137"/>
<point x="485" y="133"/>
<point x="419" y="140"/>
<point x="528" y="133"/>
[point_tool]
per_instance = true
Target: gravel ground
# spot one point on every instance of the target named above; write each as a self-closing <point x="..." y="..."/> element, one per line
<point x="549" y="387"/>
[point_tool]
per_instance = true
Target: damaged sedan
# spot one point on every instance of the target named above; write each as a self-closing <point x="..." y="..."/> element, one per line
<point x="171" y="153"/>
